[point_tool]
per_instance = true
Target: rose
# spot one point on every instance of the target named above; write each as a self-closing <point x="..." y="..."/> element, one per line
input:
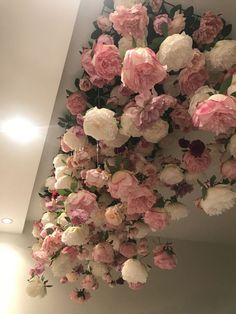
<point x="76" y="103"/>
<point x="105" y="40"/>
<point x="156" y="132"/>
<point x="103" y="253"/>
<point x="134" y="271"/>
<point x="140" y="200"/>
<point x="210" y="26"/>
<point x="176" y="210"/>
<point x="104" y="23"/>
<point x="130" y="22"/>
<point x="164" y="258"/>
<point x="128" y="249"/>
<point x="171" y="52"/>
<point x="157" y="220"/>
<point x="222" y="56"/>
<point x="196" y="164"/>
<point x="181" y="118"/>
<point x="218" y="199"/>
<point x="177" y="24"/>
<point x="232" y="146"/>
<point x="75" y="138"/>
<point x="100" y="124"/>
<point x="114" y="215"/>
<point x="76" y="235"/>
<point x="228" y="169"/>
<point x="36" y="287"/>
<point x="96" y="177"/>
<point x="141" y="70"/>
<point x="60" y="160"/>
<point x="122" y="184"/>
<point x="89" y="282"/>
<point x="107" y="61"/>
<point x="199" y="96"/>
<point x="160" y="20"/>
<point x="171" y="175"/>
<point x="217" y="114"/>
<point x="85" y="85"/>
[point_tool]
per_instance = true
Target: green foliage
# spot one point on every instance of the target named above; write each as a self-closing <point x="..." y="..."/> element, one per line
<point x="225" y="85"/>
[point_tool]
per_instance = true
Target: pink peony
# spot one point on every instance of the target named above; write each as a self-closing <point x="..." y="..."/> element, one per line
<point x="96" y="177"/>
<point x="128" y="249"/>
<point x="122" y="184"/>
<point x="104" y="23"/>
<point x="228" y="169"/>
<point x="52" y="243"/>
<point x="85" y="85"/>
<point x="105" y="40"/>
<point x="142" y="70"/>
<point x="155" y="5"/>
<point x="164" y="257"/>
<point x="107" y="61"/>
<point x="79" y="297"/>
<point x="89" y="282"/>
<point x="181" y="118"/>
<point x="196" y="164"/>
<point x="195" y="75"/>
<point x="156" y="220"/>
<point x="37" y="270"/>
<point x="86" y="60"/>
<point x="140" y="200"/>
<point x="210" y="27"/>
<point x="76" y="103"/>
<point x="130" y="22"/>
<point x="103" y="253"/>
<point x="142" y="247"/>
<point x="216" y="115"/>
<point x="159" y="21"/>
<point x="136" y="285"/>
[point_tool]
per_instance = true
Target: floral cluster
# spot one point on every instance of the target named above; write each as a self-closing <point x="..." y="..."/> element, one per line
<point x="152" y="72"/>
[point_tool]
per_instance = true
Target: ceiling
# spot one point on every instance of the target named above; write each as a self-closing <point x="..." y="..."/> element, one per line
<point x="196" y="227"/>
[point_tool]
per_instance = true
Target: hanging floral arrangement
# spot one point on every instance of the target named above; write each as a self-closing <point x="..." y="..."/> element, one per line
<point x="152" y="114"/>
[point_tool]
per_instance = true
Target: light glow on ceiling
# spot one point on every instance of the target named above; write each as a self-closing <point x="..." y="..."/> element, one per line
<point x="7" y="221"/>
<point x="20" y="130"/>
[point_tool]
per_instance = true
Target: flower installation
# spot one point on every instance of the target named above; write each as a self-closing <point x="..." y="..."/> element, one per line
<point x="156" y="77"/>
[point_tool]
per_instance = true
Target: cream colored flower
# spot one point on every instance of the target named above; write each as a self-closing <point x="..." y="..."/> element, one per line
<point x="62" y="221"/>
<point x="98" y="269"/>
<point x="177" y="24"/>
<point x="134" y="271"/>
<point x="49" y="218"/>
<point x="171" y="175"/>
<point x="176" y="210"/>
<point x="203" y="93"/>
<point x="115" y="215"/>
<point x="50" y="183"/>
<point x="156" y="132"/>
<point x="118" y="141"/>
<point x="63" y="171"/>
<point x="64" y="183"/>
<point x="60" y="160"/>
<point x="176" y="52"/>
<point x="76" y="235"/>
<point x="62" y="265"/>
<point x="128" y="128"/>
<point x="74" y="141"/>
<point x="36" y="287"/>
<point x="232" y="146"/>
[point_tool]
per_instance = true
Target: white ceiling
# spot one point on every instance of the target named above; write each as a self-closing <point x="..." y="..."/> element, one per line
<point x="35" y="37"/>
<point x="198" y="226"/>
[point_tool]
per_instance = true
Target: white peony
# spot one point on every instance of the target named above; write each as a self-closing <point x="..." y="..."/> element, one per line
<point x="60" y="160"/>
<point x="127" y="126"/>
<point x="36" y="287"/>
<point x="156" y="132"/>
<point x="219" y="199"/>
<point x="171" y="175"/>
<point x="63" y="171"/>
<point x="73" y="141"/>
<point x="98" y="269"/>
<point x="118" y="141"/>
<point x="49" y="218"/>
<point x="222" y="56"/>
<point x="134" y="271"/>
<point x="171" y="85"/>
<point x="232" y="146"/>
<point x="62" y="265"/>
<point x="176" y="210"/>
<point x="50" y="183"/>
<point x="176" y="52"/>
<point x="62" y="221"/>
<point x="100" y="124"/>
<point x="203" y="93"/>
<point x="126" y="3"/>
<point x="141" y="230"/>
<point x="76" y="235"/>
<point x="64" y="183"/>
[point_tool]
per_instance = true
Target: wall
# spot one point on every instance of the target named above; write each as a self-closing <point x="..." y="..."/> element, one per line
<point x="203" y="283"/>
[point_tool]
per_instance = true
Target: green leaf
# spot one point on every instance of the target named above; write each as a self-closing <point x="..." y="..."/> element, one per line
<point x="69" y="92"/>
<point x="212" y="180"/>
<point x="77" y="83"/>
<point x="226" y="30"/>
<point x="204" y="193"/>
<point x="96" y="34"/>
<point x="225" y="85"/>
<point x="164" y="29"/>
<point x="225" y="181"/>
<point x="73" y="186"/>
<point x="49" y="231"/>
<point x="155" y="44"/>
<point x="175" y="9"/>
<point x="233" y="94"/>
<point x="160" y="203"/>
<point x="64" y="192"/>
<point x="189" y="11"/>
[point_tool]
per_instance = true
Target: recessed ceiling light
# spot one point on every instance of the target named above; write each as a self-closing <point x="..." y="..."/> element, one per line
<point x="20" y="129"/>
<point x="7" y="221"/>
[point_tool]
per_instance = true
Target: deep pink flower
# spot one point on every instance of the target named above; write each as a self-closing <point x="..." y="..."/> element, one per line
<point x="140" y="200"/>
<point x="142" y="70"/>
<point x="156" y="220"/>
<point x="105" y="40"/>
<point x="217" y="114"/>
<point x="103" y="253"/>
<point x="143" y="247"/>
<point x="164" y="258"/>
<point x="76" y="103"/>
<point x="130" y="22"/>
<point x="228" y="169"/>
<point x="197" y="164"/>
<point x="128" y="249"/>
<point x="210" y="27"/>
<point x="181" y="118"/>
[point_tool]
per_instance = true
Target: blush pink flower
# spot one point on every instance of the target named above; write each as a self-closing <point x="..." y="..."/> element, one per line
<point x="195" y="75"/>
<point x="65" y="148"/>
<point x="216" y="115"/>
<point x="107" y="61"/>
<point x="128" y="249"/>
<point x="156" y="220"/>
<point x="210" y="27"/>
<point x="130" y="22"/>
<point x="85" y="85"/>
<point x="228" y="169"/>
<point x="76" y="103"/>
<point x="37" y="270"/>
<point x="140" y="200"/>
<point x="142" y="70"/>
<point x="104" y="23"/>
<point x="181" y="118"/>
<point x="136" y="285"/>
<point x="159" y="21"/>
<point x="96" y="177"/>
<point x="122" y="184"/>
<point x="79" y="297"/>
<point x="103" y="253"/>
<point x="164" y="258"/>
<point x="105" y="40"/>
<point x="86" y="60"/>
<point x="52" y="243"/>
<point x="142" y="247"/>
<point x="89" y="282"/>
<point x="196" y="164"/>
